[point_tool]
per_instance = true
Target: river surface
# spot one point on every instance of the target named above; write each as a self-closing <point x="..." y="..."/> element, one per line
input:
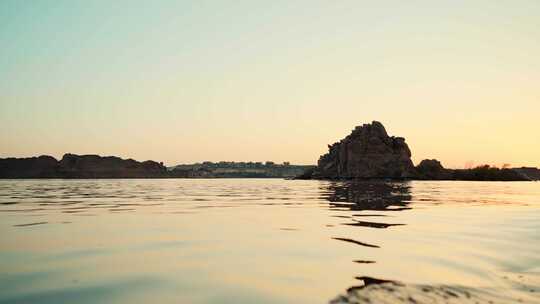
<point x="268" y="241"/>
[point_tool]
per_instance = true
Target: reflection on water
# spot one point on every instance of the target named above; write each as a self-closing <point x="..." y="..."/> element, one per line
<point x="268" y="241"/>
<point x="359" y="196"/>
<point x="377" y="195"/>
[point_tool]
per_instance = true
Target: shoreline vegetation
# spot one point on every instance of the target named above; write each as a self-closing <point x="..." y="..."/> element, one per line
<point x="367" y="153"/>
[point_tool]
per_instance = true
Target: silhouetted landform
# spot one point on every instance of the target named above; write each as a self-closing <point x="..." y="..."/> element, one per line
<point x="95" y="166"/>
<point x="530" y="173"/>
<point x="34" y="167"/>
<point x="80" y="166"/>
<point x="369" y="153"/>
<point x="238" y="170"/>
<point x="431" y="169"/>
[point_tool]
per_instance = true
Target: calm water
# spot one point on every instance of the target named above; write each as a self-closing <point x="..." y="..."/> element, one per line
<point x="268" y="241"/>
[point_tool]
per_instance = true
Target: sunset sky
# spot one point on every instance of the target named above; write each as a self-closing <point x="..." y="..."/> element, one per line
<point x="181" y="82"/>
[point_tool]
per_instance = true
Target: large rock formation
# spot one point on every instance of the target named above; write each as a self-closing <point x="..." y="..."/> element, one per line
<point x="367" y="153"/>
<point x="79" y="166"/>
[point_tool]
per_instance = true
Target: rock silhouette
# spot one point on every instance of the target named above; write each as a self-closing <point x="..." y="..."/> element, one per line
<point x="367" y="153"/>
<point x="79" y="166"/>
<point x="35" y="167"/>
<point x="432" y="169"/>
<point x="95" y="166"/>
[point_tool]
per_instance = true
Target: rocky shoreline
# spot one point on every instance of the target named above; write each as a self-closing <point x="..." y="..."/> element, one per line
<point x="80" y="166"/>
<point x="365" y="154"/>
<point x="95" y="166"/>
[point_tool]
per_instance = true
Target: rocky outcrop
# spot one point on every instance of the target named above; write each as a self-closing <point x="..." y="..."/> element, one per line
<point x="79" y="166"/>
<point x="432" y="169"/>
<point x="367" y="153"/>
<point x="35" y="167"/>
<point x="95" y="166"/>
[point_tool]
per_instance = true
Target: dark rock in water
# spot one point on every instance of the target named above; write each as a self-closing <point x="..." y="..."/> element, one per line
<point x="432" y="169"/>
<point x="95" y="166"/>
<point x="43" y="167"/>
<point x="367" y="153"/>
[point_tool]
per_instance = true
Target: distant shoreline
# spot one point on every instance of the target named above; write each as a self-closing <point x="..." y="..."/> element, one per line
<point x="73" y="166"/>
<point x="84" y="167"/>
<point x="368" y="153"/>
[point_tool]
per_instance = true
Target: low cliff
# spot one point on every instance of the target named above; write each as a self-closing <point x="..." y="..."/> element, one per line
<point x="31" y="167"/>
<point x="95" y="166"/>
<point x="432" y="169"/>
<point x="79" y="166"/>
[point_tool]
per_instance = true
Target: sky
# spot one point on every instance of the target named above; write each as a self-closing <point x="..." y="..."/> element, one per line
<point x="189" y="81"/>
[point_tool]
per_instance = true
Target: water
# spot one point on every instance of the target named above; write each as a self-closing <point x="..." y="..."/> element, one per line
<point x="268" y="241"/>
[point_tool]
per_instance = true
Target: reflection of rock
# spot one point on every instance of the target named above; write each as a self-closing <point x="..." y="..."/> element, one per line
<point x="364" y="195"/>
<point x="368" y="195"/>
<point x="386" y="292"/>
<point x="376" y="225"/>
<point x="367" y="153"/>
<point x="347" y="240"/>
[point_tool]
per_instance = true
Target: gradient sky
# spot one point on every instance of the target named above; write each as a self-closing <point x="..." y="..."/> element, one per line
<point x="187" y="81"/>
